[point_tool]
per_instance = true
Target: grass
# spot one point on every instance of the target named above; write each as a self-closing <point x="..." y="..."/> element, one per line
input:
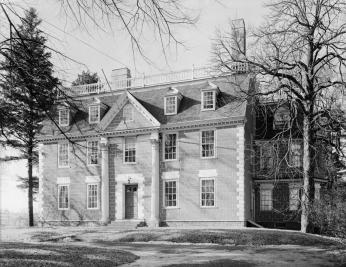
<point x="239" y="237"/>
<point x="25" y="254"/>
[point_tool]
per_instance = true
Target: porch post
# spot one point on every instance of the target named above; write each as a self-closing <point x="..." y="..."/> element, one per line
<point x="154" y="218"/>
<point x="104" y="180"/>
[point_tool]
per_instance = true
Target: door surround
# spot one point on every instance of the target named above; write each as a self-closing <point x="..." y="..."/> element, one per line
<point x="124" y="179"/>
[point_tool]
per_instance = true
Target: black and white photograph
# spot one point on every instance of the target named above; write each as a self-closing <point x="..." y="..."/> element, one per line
<point x="172" y="133"/>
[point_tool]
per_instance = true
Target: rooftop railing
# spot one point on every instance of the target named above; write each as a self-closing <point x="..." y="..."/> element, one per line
<point x="146" y="81"/>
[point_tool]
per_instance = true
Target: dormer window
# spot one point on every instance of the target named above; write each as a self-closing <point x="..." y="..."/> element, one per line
<point x="170" y="105"/>
<point x="282" y="119"/>
<point x="208" y="100"/>
<point x="64" y="117"/>
<point x="94" y="114"/>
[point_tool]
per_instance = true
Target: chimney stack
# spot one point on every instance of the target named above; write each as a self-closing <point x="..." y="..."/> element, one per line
<point x="239" y="38"/>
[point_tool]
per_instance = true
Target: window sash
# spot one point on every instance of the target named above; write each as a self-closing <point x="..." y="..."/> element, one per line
<point x="170" y="105"/>
<point x="130" y="150"/>
<point x="296" y="155"/>
<point x="64" y="117"/>
<point x="207" y="192"/>
<point x="92" y="196"/>
<point x="94" y="114"/>
<point x="63" y="197"/>
<point x="208" y="144"/>
<point x="92" y="152"/>
<point x="266" y="156"/>
<point x="171" y="194"/>
<point x="294" y="198"/>
<point x="208" y="100"/>
<point x="266" y="199"/>
<point x="170" y="149"/>
<point x="63" y="155"/>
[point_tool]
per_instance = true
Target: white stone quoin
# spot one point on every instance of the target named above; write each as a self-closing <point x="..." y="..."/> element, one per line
<point x="155" y="186"/>
<point x="104" y="181"/>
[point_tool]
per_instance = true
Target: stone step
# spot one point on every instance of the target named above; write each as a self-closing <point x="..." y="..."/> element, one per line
<point x="124" y="224"/>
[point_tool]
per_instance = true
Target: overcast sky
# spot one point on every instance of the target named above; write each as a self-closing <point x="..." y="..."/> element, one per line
<point x="96" y="49"/>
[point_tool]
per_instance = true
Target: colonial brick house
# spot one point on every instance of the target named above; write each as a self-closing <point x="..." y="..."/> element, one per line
<point x="172" y="149"/>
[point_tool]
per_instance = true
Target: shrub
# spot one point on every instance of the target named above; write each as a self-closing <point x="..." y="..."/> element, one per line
<point x="328" y="215"/>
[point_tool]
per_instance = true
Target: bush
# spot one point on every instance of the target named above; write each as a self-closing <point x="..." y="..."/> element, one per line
<point x="328" y="214"/>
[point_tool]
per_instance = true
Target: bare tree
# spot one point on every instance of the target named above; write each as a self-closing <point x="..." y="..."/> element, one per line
<point x="298" y="55"/>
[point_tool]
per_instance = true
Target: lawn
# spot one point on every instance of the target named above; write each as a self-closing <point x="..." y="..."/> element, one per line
<point x="27" y="254"/>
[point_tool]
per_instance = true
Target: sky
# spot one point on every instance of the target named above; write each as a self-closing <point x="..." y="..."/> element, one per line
<point x="101" y="50"/>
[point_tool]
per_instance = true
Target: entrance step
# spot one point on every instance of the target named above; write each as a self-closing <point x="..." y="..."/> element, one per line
<point x="124" y="224"/>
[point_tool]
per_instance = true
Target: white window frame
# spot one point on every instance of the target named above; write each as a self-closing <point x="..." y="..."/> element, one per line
<point x="89" y="163"/>
<point x="176" y="193"/>
<point x="176" y="146"/>
<point x="68" y="196"/>
<point x="97" y="196"/>
<point x="124" y="150"/>
<point x="200" y="192"/>
<point x="203" y="99"/>
<point x="201" y="144"/>
<point x="292" y="162"/>
<point x="67" y="119"/>
<point x="266" y="188"/>
<point x="68" y="156"/>
<point x="98" y="113"/>
<point x="293" y="203"/>
<point x="125" y="118"/>
<point x="175" y="106"/>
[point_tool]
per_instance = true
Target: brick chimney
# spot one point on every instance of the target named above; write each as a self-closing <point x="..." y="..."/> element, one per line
<point x="239" y="38"/>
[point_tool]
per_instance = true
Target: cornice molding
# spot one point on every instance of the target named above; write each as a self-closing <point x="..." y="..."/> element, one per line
<point x="232" y="122"/>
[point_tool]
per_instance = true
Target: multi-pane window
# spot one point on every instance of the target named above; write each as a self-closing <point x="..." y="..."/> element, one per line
<point x="207" y="192"/>
<point x="63" y="155"/>
<point x="266" y="156"/>
<point x="295" y="155"/>
<point x="266" y="199"/>
<point x="128" y="113"/>
<point x="170" y="193"/>
<point x="170" y="143"/>
<point x="92" y="153"/>
<point x="294" y="198"/>
<point x="208" y="144"/>
<point x="63" y="197"/>
<point x="94" y="114"/>
<point x="208" y="100"/>
<point x="281" y="119"/>
<point x="130" y="150"/>
<point x="92" y="196"/>
<point x="170" y="105"/>
<point x="64" y="117"/>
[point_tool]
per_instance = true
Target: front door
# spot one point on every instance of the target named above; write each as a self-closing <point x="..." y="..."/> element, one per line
<point x="131" y="201"/>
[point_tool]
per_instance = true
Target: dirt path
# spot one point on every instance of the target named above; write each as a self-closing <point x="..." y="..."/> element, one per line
<point x="164" y="254"/>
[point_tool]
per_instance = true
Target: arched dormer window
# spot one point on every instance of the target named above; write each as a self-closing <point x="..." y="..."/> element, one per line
<point x="172" y="101"/>
<point x="282" y="119"/>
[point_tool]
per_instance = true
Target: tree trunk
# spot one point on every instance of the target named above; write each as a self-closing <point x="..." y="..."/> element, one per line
<point x="308" y="179"/>
<point x="30" y="186"/>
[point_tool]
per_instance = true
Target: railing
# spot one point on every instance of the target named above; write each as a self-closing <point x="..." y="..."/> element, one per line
<point x="145" y="81"/>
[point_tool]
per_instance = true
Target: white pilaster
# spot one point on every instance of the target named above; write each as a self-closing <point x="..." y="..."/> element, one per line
<point x="155" y="186"/>
<point x="104" y="180"/>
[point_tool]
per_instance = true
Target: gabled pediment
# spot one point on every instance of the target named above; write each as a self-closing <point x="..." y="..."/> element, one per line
<point x="135" y="115"/>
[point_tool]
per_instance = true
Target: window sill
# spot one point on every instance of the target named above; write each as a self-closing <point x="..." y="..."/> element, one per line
<point x="170" y="160"/>
<point x="214" y="157"/>
<point x="129" y="163"/>
<point x="64" y="209"/>
<point x="64" y="167"/>
<point x="171" y="208"/>
<point x="93" y="208"/>
<point x="208" y="207"/>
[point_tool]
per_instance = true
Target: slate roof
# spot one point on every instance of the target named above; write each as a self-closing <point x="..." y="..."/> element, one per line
<point x="228" y="104"/>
